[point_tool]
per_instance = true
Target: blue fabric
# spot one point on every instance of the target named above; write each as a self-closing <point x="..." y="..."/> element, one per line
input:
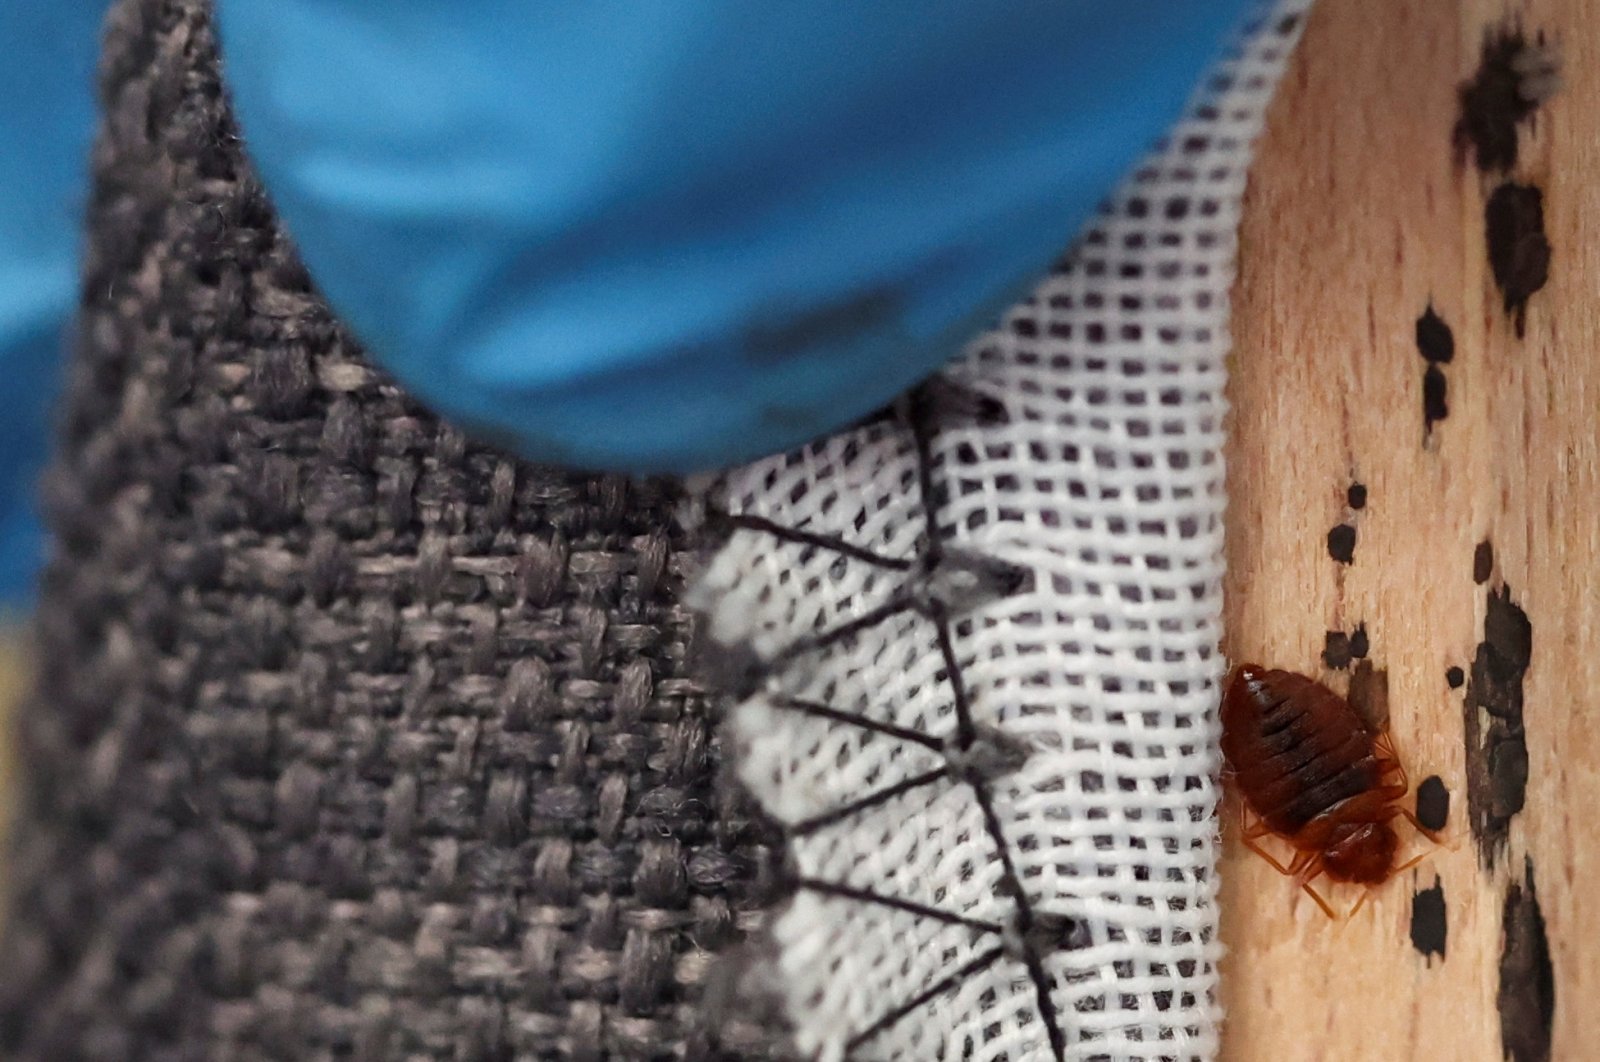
<point x="46" y="116"/>
<point x="671" y="234"/>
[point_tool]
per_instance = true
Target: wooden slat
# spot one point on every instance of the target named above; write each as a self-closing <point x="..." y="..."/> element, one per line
<point x="1359" y="216"/>
<point x="13" y="680"/>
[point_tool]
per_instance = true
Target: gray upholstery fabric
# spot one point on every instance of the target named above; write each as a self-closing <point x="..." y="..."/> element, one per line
<point x="352" y="739"/>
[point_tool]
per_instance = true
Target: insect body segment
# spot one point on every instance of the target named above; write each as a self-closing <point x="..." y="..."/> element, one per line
<point x="1314" y="774"/>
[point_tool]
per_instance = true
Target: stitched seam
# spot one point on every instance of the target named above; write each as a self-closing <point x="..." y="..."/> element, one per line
<point x="916" y="413"/>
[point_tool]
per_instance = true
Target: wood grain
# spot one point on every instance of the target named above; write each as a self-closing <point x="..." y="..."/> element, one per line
<point x="13" y="680"/>
<point x="1359" y="215"/>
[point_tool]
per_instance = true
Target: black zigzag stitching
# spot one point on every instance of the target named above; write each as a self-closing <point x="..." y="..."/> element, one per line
<point x="940" y="583"/>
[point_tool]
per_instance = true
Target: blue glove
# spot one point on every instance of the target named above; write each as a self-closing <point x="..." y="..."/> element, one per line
<point x="652" y="236"/>
<point x="662" y="236"/>
<point x="46" y="116"/>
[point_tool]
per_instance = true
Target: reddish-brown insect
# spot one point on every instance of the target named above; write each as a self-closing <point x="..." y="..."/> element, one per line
<point x="1315" y="775"/>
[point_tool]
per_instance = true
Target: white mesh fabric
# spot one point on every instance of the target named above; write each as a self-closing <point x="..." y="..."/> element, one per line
<point x="986" y="637"/>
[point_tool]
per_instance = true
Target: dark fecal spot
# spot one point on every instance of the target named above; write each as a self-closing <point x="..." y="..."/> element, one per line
<point x="1433" y="803"/>
<point x="1513" y="78"/>
<point x="1356" y="496"/>
<point x="963" y="580"/>
<point x="1497" y="749"/>
<point x="1435" y="398"/>
<point x="1527" y="995"/>
<point x="1519" y="251"/>
<point x="1434" y="339"/>
<point x="1369" y="695"/>
<point x="1508" y="632"/>
<point x="1482" y="562"/>
<point x="1455" y="677"/>
<point x="1359" y="644"/>
<point x="1342" y="543"/>
<point x="992" y="754"/>
<point x="1508" y="777"/>
<point x="1050" y="933"/>
<point x="1336" y="649"/>
<point x="941" y="400"/>
<point x="1429" y="927"/>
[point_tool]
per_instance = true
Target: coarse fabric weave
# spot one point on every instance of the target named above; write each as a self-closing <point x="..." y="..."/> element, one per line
<point x="352" y="740"/>
<point x="980" y="645"/>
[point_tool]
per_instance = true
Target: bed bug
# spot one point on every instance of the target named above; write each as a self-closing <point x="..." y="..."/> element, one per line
<point x="1317" y="776"/>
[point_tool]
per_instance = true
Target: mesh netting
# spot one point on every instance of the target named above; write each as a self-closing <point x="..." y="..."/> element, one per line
<point x="983" y="636"/>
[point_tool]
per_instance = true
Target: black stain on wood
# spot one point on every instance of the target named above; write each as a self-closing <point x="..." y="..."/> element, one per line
<point x="1336" y="650"/>
<point x="1514" y="77"/>
<point x="1437" y="345"/>
<point x="1519" y="251"/>
<point x="1339" y="648"/>
<point x="1429" y="927"/>
<point x="1483" y="562"/>
<point x="1342" y="543"/>
<point x="1497" y="748"/>
<point x="1369" y="695"/>
<point x="1435" y="398"/>
<point x="1433" y="803"/>
<point x="1435" y="341"/>
<point x="1356" y="496"/>
<point x="1455" y="677"/>
<point x="1527" y="995"/>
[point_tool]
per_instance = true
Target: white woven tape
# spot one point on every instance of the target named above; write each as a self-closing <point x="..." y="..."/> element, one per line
<point x="994" y="742"/>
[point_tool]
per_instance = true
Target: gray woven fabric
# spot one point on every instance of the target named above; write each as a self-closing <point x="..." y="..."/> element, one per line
<point x="352" y="739"/>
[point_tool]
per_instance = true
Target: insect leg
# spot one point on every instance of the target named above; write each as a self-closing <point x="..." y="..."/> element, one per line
<point x="1308" y="867"/>
<point x="1408" y="864"/>
<point x="1409" y="816"/>
<point x="1385" y="744"/>
<point x="1306" y="885"/>
<point x="1248" y="833"/>
<point x="1412" y="818"/>
<point x="1264" y="854"/>
<point x="1251" y="830"/>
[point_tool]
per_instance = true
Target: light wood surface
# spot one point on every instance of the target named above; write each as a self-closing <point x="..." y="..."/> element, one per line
<point x="1359" y="215"/>
<point x="13" y="679"/>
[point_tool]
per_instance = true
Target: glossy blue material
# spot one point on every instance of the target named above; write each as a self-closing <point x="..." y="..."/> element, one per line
<point x="46" y="118"/>
<point x="660" y="235"/>
<point x="672" y="234"/>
